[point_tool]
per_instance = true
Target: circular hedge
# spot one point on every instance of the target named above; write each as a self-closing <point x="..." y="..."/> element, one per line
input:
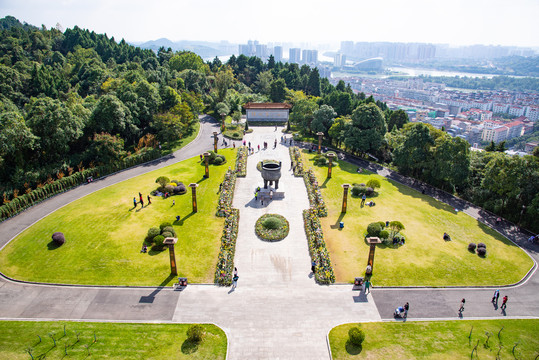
<point x="58" y="238"/>
<point x="272" y="227"/>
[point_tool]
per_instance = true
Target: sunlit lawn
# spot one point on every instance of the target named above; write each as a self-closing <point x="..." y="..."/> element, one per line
<point x="438" y="340"/>
<point x="104" y="234"/>
<point x="425" y="259"/>
<point x="114" y="341"/>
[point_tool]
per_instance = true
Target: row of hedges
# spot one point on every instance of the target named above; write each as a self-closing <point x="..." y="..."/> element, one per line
<point x="227" y="194"/>
<point x="225" y="260"/>
<point x="241" y="161"/>
<point x="317" y="247"/>
<point x="295" y="156"/>
<point x="316" y="200"/>
<point x="25" y="201"/>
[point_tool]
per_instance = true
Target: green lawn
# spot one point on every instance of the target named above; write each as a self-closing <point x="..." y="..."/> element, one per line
<point x="104" y="234"/>
<point x="438" y="340"/>
<point x="114" y="341"/>
<point x="426" y="259"/>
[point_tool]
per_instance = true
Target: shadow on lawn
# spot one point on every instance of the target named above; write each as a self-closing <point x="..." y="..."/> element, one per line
<point x="182" y="219"/>
<point x="337" y="223"/>
<point x="353" y="349"/>
<point x="53" y="245"/>
<point x="189" y="347"/>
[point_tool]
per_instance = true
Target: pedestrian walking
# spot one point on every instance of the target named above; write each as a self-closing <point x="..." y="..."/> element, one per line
<point x="234" y="144"/>
<point x="271" y="194"/>
<point x="363" y="198"/>
<point x="496" y="296"/>
<point x="149" y="200"/>
<point x="235" y="271"/>
<point x="141" y="202"/>
<point x="504" y="303"/>
<point x="173" y="202"/>
<point x="275" y="144"/>
<point x="406" y="308"/>
<point x="367" y="286"/>
<point x="135" y="201"/>
<point x="461" y="309"/>
<point x="140" y="196"/>
<point x="313" y="266"/>
<point x="258" y="147"/>
<point x="235" y="281"/>
<point x="256" y="195"/>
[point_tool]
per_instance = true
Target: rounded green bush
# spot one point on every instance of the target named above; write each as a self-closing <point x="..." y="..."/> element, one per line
<point x="195" y="333"/>
<point x="374" y="229"/>
<point x="272" y="227"/>
<point x="218" y="161"/>
<point x="153" y="232"/>
<point x="272" y="223"/>
<point x="356" y="335"/>
<point x="164" y="225"/>
<point x="359" y="190"/>
<point x="169" y="229"/>
<point x="384" y="234"/>
<point x="158" y="241"/>
<point x="481" y="251"/>
<point x="373" y="183"/>
<point x="167" y="234"/>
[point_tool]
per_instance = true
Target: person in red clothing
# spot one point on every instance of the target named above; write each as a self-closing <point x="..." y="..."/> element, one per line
<point x="504" y="303"/>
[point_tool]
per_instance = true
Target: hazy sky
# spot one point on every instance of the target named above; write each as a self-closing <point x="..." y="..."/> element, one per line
<point x="459" y="22"/>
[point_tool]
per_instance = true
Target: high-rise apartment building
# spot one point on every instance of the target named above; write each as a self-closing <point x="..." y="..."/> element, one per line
<point x="294" y="55"/>
<point x="278" y="53"/>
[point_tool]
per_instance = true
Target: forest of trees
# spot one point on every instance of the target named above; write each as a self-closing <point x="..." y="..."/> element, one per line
<point x="76" y="99"/>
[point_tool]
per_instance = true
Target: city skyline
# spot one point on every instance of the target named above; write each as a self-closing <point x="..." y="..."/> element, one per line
<point x="458" y="23"/>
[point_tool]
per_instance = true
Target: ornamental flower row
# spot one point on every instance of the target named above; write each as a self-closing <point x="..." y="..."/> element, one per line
<point x="295" y="156"/>
<point x="241" y="161"/>
<point x="227" y="194"/>
<point x="317" y="247"/>
<point x="316" y="200"/>
<point x="225" y="260"/>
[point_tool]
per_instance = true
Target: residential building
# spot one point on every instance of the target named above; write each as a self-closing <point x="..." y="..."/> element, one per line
<point x="514" y="129"/>
<point x="496" y="134"/>
<point x="278" y="53"/>
<point x="294" y="55"/>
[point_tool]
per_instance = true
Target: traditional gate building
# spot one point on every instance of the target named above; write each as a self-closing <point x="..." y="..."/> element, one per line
<point x="266" y="112"/>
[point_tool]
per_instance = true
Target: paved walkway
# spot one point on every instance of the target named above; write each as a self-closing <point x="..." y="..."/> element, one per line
<point x="277" y="310"/>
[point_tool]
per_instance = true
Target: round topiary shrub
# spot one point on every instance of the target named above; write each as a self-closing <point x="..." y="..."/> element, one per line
<point x="356" y="336"/>
<point x="158" y="242"/>
<point x="169" y="229"/>
<point x="58" y="238"/>
<point x="373" y="183"/>
<point x="374" y="229"/>
<point x="180" y="189"/>
<point x="169" y="189"/>
<point x="481" y="245"/>
<point x="195" y="333"/>
<point x="321" y="161"/>
<point x="272" y="227"/>
<point x="481" y="251"/>
<point x="164" y="225"/>
<point x="369" y="191"/>
<point x="167" y="234"/>
<point x="218" y="161"/>
<point x="384" y="234"/>
<point x="471" y="247"/>
<point x="358" y="190"/>
<point x="153" y="232"/>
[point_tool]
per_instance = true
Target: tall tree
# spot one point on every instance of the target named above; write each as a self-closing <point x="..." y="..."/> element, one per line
<point x="303" y="113"/>
<point x="313" y="85"/>
<point x="366" y="130"/>
<point x="323" y="118"/>
<point x="278" y="90"/>
<point x="397" y="119"/>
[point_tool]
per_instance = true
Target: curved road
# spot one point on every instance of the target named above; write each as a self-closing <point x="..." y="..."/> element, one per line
<point x="277" y="311"/>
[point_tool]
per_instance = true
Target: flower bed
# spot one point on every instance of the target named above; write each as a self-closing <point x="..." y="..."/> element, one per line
<point x="272" y="234"/>
<point x="227" y="194"/>
<point x="295" y="156"/>
<point x="316" y="200"/>
<point x="241" y="161"/>
<point x="317" y="247"/>
<point x="225" y="260"/>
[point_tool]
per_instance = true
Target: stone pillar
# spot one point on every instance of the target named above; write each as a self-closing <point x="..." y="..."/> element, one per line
<point x="207" y="169"/>
<point x="215" y="139"/>
<point x="320" y="134"/>
<point x="345" y="197"/>
<point x="330" y="157"/>
<point x="193" y="187"/>
<point x="223" y="122"/>
<point x="170" y="243"/>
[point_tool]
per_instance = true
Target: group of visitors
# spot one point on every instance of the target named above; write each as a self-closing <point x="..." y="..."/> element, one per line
<point x="141" y="201"/>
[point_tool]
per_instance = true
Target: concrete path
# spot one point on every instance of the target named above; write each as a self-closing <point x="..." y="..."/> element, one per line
<point x="277" y="311"/>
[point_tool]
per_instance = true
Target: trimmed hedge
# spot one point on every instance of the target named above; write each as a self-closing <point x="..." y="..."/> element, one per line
<point x="316" y="200"/>
<point x="23" y="202"/>
<point x="317" y="248"/>
<point x="295" y="156"/>
<point x="241" y="161"/>
<point x="225" y="260"/>
<point x="227" y="193"/>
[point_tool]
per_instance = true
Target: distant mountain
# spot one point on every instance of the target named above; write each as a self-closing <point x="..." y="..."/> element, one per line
<point x="204" y="49"/>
